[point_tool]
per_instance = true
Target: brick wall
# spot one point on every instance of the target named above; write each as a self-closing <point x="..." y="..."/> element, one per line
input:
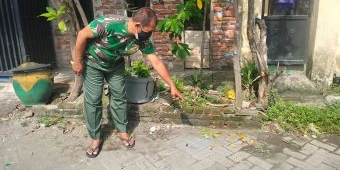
<point x="161" y="40"/>
<point x="222" y="26"/>
<point x="223" y="33"/>
<point x="62" y="41"/>
<point x="108" y="7"/>
<point x="63" y="51"/>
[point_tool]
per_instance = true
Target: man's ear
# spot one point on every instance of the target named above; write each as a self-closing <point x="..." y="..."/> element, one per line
<point x="138" y="24"/>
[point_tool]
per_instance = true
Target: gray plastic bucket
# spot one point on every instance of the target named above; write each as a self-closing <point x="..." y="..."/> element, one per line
<point x="139" y="90"/>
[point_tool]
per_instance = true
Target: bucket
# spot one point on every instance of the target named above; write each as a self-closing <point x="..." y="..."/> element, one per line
<point x="139" y="90"/>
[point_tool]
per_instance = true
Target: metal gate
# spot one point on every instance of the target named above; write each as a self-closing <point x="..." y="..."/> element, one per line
<point x="288" y="25"/>
<point x="11" y="41"/>
<point x="23" y="35"/>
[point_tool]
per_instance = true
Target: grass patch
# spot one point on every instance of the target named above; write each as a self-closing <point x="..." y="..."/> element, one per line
<point x="49" y="120"/>
<point x="294" y="118"/>
<point x="334" y="88"/>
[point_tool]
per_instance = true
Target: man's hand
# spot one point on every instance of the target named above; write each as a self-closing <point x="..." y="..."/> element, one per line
<point x="175" y="94"/>
<point x="164" y="74"/>
<point x="77" y="67"/>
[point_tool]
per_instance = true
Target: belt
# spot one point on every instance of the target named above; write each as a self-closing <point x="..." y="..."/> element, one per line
<point x="118" y="60"/>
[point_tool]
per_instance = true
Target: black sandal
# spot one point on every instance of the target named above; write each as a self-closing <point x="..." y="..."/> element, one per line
<point x="94" y="151"/>
<point x="131" y="142"/>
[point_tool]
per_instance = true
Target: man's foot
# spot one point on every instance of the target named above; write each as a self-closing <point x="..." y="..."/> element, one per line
<point x="94" y="149"/>
<point x="128" y="142"/>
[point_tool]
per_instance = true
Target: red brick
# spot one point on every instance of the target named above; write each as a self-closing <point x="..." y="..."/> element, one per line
<point x="166" y="11"/>
<point x="172" y="6"/>
<point x="217" y="9"/>
<point x="217" y="5"/>
<point x="229" y="34"/>
<point x="216" y="37"/>
<point x="229" y="27"/>
<point x="157" y="7"/>
<point x="229" y="19"/>
<point x="228" y="13"/>
<point x="107" y="3"/>
<point x="217" y="32"/>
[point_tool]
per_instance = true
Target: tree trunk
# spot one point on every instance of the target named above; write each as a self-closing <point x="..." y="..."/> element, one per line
<point x="78" y="80"/>
<point x="258" y="49"/>
<point x="236" y="63"/>
<point x="74" y="28"/>
<point x="203" y="39"/>
<point x="262" y="48"/>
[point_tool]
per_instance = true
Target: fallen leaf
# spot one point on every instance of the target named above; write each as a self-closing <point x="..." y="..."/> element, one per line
<point x="252" y="142"/>
<point x="242" y="135"/>
<point x="244" y="143"/>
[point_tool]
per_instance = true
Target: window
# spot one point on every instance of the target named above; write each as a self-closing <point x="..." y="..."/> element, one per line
<point x="287" y="7"/>
<point x="196" y="24"/>
<point x="133" y="5"/>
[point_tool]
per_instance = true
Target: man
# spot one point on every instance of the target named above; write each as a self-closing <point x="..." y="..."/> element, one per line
<point x="100" y="48"/>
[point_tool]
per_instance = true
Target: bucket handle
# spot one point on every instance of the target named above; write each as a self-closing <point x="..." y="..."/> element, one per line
<point x="147" y="92"/>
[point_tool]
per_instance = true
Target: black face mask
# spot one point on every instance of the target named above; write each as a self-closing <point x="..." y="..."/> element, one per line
<point x="143" y="36"/>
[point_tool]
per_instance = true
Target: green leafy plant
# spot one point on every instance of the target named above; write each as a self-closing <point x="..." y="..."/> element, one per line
<point x="249" y="79"/>
<point x="161" y="86"/>
<point x="196" y="79"/>
<point x="52" y="14"/>
<point x="174" y="24"/>
<point x="179" y="83"/>
<point x="302" y="119"/>
<point x="334" y="88"/>
<point x="49" y="120"/>
<point x="138" y="69"/>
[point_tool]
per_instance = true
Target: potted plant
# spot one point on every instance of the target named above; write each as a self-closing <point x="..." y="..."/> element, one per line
<point x="139" y="83"/>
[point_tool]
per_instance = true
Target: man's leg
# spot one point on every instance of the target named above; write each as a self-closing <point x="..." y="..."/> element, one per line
<point x="93" y="89"/>
<point x="117" y="103"/>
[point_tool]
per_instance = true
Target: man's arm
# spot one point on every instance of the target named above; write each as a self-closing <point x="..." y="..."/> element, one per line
<point x="164" y="74"/>
<point x="82" y="37"/>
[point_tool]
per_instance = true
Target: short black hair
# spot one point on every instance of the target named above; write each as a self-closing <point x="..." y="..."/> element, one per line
<point x="144" y="15"/>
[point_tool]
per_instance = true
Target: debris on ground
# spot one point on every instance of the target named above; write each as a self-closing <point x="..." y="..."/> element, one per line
<point x="47" y="121"/>
<point x="208" y="133"/>
<point x="28" y="114"/>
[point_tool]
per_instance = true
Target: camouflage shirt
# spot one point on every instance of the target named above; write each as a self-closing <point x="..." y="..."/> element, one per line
<point x="112" y="40"/>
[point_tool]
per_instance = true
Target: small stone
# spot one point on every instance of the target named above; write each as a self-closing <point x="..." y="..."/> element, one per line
<point x="153" y="129"/>
<point x="5" y="118"/>
<point x="287" y="139"/>
<point x="63" y="96"/>
<point x="245" y="105"/>
<point x="28" y="114"/>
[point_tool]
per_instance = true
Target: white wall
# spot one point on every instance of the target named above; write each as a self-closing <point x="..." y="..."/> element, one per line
<point x="326" y="51"/>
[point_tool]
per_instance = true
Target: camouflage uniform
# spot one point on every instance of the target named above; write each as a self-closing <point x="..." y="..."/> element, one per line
<point x="104" y="60"/>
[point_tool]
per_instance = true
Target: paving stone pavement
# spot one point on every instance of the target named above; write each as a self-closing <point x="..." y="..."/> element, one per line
<point x="8" y="99"/>
<point x="26" y="145"/>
